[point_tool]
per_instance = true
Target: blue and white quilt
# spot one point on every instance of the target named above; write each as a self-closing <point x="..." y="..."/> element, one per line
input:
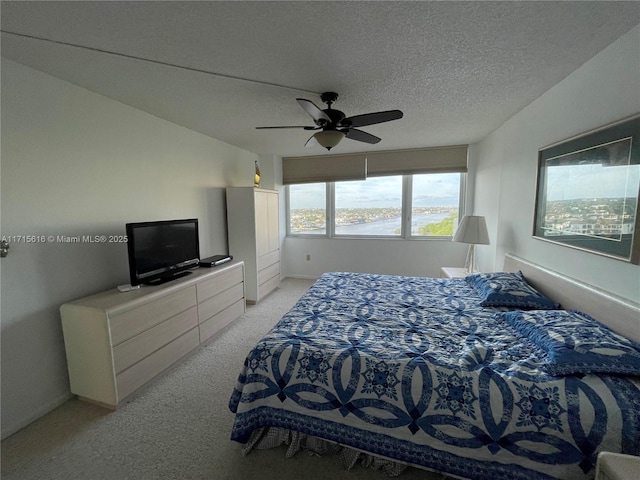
<point x="414" y="370"/>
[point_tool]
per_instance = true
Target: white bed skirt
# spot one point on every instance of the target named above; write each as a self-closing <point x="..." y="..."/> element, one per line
<point x="272" y="437"/>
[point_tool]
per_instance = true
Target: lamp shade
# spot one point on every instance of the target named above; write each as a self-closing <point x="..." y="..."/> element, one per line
<point x="329" y="138"/>
<point x="472" y="229"/>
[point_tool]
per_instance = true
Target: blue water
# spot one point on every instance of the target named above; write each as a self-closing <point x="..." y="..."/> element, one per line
<point x="389" y="226"/>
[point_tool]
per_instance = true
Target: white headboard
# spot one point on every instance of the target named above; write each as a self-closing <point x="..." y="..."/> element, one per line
<point x="619" y="314"/>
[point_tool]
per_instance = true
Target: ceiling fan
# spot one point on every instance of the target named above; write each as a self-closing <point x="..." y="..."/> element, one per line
<point x="334" y="125"/>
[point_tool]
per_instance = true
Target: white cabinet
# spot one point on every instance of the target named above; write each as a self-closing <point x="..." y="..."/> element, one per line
<point x="254" y="238"/>
<point x="116" y="342"/>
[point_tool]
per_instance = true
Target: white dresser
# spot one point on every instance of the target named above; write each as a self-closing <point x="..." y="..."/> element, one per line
<point x="116" y="342"/>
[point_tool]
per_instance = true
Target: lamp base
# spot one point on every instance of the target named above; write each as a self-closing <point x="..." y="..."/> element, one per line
<point x="470" y="263"/>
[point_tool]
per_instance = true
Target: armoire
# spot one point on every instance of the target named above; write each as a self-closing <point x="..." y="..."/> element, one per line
<point x="253" y="233"/>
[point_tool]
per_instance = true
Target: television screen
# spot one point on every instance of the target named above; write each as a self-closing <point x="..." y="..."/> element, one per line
<point x="161" y="251"/>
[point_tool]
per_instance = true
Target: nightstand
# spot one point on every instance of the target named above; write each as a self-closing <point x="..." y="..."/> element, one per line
<point x="453" y="272"/>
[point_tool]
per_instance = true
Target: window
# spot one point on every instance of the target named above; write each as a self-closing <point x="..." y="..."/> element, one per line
<point x="409" y="206"/>
<point x="308" y="209"/>
<point x="435" y="204"/>
<point x="369" y="207"/>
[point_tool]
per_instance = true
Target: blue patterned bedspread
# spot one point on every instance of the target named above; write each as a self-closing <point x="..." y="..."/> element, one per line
<point x="412" y="369"/>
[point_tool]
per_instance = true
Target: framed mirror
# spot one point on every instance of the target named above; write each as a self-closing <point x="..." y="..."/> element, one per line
<point x="587" y="192"/>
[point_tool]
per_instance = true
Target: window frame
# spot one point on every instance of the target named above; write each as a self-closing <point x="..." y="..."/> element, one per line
<point x="406" y="217"/>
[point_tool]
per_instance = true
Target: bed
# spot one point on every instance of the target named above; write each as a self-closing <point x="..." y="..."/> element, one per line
<point x="443" y="375"/>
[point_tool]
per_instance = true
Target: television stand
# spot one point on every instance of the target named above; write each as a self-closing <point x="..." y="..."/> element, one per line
<point x="168" y="278"/>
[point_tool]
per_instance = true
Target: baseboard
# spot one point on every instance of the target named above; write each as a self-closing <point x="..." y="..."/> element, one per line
<point x="41" y="412"/>
<point x="301" y="277"/>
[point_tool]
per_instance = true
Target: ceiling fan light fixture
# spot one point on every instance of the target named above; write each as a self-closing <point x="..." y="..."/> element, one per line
<point x="329" y="138"/>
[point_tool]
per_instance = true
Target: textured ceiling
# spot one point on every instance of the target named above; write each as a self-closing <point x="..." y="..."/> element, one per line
<point x="457" y="70"/>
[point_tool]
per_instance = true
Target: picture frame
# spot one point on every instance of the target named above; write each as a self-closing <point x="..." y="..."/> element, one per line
<point x="587" y="192"/>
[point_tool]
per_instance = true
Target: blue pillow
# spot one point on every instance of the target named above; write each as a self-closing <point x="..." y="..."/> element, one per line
<point x="576" y="343"/>
<point x="506" y="289"/>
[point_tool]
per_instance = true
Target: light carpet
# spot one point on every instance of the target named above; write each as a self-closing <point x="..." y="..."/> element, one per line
<point x="176" y="427"/>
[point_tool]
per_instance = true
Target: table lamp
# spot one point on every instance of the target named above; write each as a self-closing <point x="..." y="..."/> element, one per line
<point x="472" y="230"/>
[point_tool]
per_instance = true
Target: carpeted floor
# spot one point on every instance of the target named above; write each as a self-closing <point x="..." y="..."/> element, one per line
<point x="177" y="427"/>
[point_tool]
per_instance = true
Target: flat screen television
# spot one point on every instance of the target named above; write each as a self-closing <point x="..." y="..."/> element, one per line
<point x="162" y="251"/>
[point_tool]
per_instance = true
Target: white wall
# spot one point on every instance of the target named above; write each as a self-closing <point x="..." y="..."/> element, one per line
<point x="76" y="163"/>
<point x="603" y="90"/>
<point x="393" y="257"/>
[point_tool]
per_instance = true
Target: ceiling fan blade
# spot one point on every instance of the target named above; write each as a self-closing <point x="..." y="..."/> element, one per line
<point x="311" y="108"/>
<point x="360" y="136"/>
<point x="291" y="126"/>
<point x="371" y="118"/>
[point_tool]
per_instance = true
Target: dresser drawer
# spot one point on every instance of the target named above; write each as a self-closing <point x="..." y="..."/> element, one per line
<point x="216" y="323"/>
<point x="221" y="301"/>
<point x="268" y="259"/>
<point x="129" y="324"/>
<point x="268" y="286"/>
<point x="224" y="280"/>
<point x="140" y="346"/>
<point x="268" y="273"/>
<point x="133" y="378"/>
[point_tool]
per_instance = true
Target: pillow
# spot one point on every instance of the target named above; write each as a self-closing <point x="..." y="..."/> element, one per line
<point x="505" y="289"/>
<point x="576" y="343"/>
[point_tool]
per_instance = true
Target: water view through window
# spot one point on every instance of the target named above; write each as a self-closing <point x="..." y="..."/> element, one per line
<point x="369" y="207"/>
<point x="373" y="207"/>
<point x="435" y="204"/>
<point x="308" y="208"/>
